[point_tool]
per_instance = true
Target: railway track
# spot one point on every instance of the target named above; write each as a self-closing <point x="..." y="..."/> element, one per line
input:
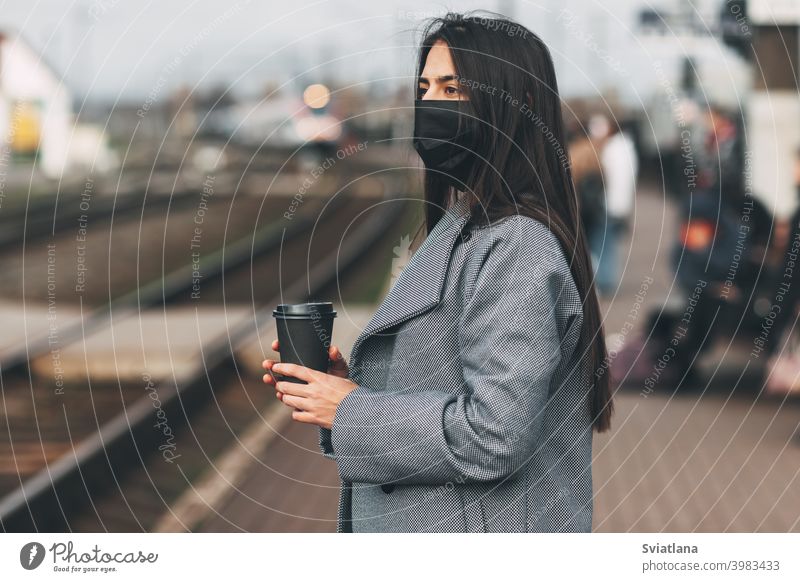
<point x="48" y="217"/>
<point x="163" y="288"/>
<point x="95" y="445"/>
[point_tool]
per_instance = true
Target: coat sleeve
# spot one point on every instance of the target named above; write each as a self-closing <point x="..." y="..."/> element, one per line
<point x="510" y="347"/>
<point x="325" y="443"/>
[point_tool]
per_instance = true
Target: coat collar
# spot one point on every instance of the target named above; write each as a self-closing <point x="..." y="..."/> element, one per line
<point x="418" y="288"/>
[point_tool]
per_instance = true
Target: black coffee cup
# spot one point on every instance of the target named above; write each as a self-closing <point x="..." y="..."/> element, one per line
<point x="305" y="331"/>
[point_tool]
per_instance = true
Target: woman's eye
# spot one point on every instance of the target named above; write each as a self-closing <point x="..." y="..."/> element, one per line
<point x="451" y="90"/>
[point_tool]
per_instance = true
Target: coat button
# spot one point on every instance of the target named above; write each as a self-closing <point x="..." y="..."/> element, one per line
<point x="387" y="488"/>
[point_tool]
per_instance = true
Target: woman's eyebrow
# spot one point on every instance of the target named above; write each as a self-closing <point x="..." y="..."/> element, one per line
<point x="441" y="79"/>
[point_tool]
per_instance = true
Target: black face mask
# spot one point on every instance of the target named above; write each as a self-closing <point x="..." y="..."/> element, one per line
<point x="444" y="137"/>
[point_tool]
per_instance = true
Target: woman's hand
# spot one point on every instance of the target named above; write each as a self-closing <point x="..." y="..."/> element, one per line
<point x="316" y="401"/>
<point x="337" y="365"/>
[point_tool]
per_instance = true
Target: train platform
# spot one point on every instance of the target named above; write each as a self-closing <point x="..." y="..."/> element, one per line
<point x="23" y="322"/>
<point x="158" y="343"/>
<point x="710" y="460"/>
<point x="274" y="465"/>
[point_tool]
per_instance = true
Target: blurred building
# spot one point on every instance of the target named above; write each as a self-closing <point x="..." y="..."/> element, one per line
<point x="36" y="115"/>
<point x="773" y="112"/>
<point x="35" y="106"/>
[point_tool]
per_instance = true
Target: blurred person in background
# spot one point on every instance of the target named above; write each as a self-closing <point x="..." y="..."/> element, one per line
<point x="587" y="174"/>
<point x="715" y="250"/>
<point x="470" y="399"/>
<point x="620" y="167"/>
<point x="720" y="156"/>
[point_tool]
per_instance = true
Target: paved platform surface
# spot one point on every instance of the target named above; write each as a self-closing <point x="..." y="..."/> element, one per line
<point x="28" y="322"/>
<point x="694" y="464"/>
<point x="157" y="342"/>
<point x="290" y="487"/>
<point x="713" y="460"/>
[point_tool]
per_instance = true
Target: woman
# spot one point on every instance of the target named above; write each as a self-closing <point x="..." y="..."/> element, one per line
<point x="472" y="393"/>
<point x="620" y="166"/>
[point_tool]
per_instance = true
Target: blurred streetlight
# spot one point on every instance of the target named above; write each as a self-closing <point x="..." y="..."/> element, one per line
<point x="316" y="96"/>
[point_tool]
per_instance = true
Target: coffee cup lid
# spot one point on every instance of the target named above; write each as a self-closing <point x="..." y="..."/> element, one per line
<point x="324" y="308"/>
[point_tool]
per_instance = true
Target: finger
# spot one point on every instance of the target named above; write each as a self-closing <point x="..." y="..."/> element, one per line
<point x="337" y="359"/>
<point x="275" y="346"/>
<point x="279" y="395"/>
<point x="334" y="353"/>
<point x="267" y="364"/>
<point x="293" y="388"/>
<point x="268" y="379"/>
<point x="303" y="416"/>
<point x="295" y="371"/>
<point x="296" y="402"/>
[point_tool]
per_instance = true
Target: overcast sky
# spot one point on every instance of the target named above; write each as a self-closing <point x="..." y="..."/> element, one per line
<point x="130" y="48"/>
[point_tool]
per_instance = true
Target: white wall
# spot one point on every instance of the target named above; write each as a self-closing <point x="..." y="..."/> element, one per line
<point x="24" y="77"/>
<point x="773" y="121"/>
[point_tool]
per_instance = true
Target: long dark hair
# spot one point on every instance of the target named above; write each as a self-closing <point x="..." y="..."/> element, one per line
<point x="508" y="75"/>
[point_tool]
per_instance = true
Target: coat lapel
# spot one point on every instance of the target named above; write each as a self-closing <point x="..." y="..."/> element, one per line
<point x="418" y="288"/>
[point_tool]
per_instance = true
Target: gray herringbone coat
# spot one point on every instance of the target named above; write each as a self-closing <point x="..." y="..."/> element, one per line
<point x="471" y="413"/>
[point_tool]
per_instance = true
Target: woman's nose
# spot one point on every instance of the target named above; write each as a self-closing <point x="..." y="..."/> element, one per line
<point x="430" y="94"/>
